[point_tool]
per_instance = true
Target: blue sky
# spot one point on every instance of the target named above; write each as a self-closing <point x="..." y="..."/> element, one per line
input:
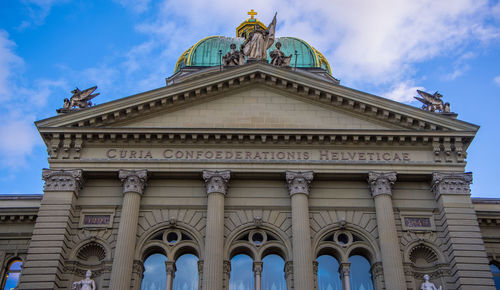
<point x="388" y="48"/>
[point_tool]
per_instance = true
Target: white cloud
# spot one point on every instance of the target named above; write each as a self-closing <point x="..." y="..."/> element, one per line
<point x="38" y="10"/>
<point x="497" y="80"/>
<point x="138" y="6"/>
<point x="19" y="138"/>
<point x="8" y="61"/>
<point x="403" y="92"/>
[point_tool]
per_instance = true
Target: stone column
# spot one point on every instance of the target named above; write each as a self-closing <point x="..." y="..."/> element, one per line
<point x="289" y="274"/>
<point x="44" y="264"/>
<point x="257" y="274"/>
<point x="216" y="183"/>
<point x="200" y="274"/>
<point x="463" y="241"/>
<point x="227" y="274"/>
<point x="170" y="269"/>
<point x="134" y="182"/>
<point x="298" y="187"/>
<point x="377" y="275"/>
<point x="380" y="184"/>
<point x="345" y="270"/>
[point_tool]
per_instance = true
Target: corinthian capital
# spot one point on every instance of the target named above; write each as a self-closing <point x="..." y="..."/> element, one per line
<point x="133" y="180"/>
<point x="381" y="182"/>
<point x="299" y="182"/>
<point x="216" y="181"/>
<point x="62" y="180"/>
<point x="451" y="183"/>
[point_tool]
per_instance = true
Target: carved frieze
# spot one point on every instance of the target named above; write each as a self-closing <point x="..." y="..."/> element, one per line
<point x="62" y="180"/>
<point x="133" y="180"/>
<point x="216" y="181"/>
<point x="451" y="183"/>
<point x="381" y="182"/>
<point x="299" y="182"/>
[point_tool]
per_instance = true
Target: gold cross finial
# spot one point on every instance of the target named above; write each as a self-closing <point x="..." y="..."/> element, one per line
<point x="252" y="13"/>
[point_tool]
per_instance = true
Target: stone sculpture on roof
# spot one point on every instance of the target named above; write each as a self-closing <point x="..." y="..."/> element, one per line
<point x="259" y="41"/>
<point x="433" y="102"/>
<point x="234" y="57"/>
<point x="79" y="100"/>
<point x="278" y="58"/>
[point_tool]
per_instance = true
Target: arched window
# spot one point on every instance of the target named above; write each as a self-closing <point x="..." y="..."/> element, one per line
<point x="361" y="278"/>
<point x="496" y="275"/>
<point x="154" y="273"/>
<point x="273" y="277"/>
<point x="186" y="276"/>
<point x="242" y="277"/>
<point x="12" y="274"/>
<point x="328" y="273"/>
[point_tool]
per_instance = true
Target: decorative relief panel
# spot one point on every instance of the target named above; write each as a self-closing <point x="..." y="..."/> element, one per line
<point x="97" y="218"/>
<point x="417" y="222"/>
<point x="62" y="180"/>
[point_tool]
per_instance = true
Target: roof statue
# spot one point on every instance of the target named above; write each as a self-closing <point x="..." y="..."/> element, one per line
<point x="79" y="100"/>
<point x="234" y="57"/>
<point x="433" y="102"/>
<point x="278" y="58"/>
<point x="259" y="41"/>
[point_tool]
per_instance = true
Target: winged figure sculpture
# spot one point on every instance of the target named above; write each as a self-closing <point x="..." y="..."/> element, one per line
<point x="79" y="100"/>
<point x="433" y="102"/>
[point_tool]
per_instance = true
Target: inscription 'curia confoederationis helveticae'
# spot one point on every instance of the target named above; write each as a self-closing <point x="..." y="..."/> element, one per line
<point x="259" y="155"/>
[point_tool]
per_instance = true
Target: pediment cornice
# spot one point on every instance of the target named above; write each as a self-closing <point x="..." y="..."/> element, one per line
<point x="304" y="86"/>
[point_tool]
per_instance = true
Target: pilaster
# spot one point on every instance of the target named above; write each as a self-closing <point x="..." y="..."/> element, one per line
<point x="464" y="243"/>
<point x="288" y="269"/>
<point x="227" y="274"/>
<point x="134" y="182"/>
<point x="43" y="268"/>
<point x="381" y="188"/>
<point x="299" y="188"/>
<point x="216" y="183"/>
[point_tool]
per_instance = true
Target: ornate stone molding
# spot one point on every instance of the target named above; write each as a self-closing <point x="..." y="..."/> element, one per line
<point x="133" y="180"/>
<point x="257" y="267"/>
<point x="377" y="269"/>
<point x="451" y="183"/>
<point x="344" y="269"/>
<point x="299" y="182"/>
<point x="63" y="180"/>
<point x="216" y="181"/>
<point x="381" y="182"/>
<point x="227" y="267"/>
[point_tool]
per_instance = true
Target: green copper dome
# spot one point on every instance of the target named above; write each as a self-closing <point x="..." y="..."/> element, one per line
<point x="208" y="52"/>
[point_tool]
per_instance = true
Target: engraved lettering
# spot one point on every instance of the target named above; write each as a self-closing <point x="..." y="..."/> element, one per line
<point x="386" y="156"/>
<point x="132" y="153"/>
<point x="168" y="153"/>
<point x="111" y="153"/>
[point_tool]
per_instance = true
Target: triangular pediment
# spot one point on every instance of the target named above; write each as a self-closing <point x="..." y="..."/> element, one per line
<point x="256" y="96"/>
<point x="257" y="107"/>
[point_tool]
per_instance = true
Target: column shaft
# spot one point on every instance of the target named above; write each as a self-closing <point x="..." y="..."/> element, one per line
<point x="257" y="270"/>
<point x="345" y="275"/>
<point x="125" y="242"/>
<point x="214" y="243"/>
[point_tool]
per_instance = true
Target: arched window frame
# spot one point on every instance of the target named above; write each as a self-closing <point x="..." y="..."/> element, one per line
<point x="8" y="270"/>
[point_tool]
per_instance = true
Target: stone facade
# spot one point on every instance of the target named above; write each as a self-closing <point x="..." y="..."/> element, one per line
<point x="309" y="167"/>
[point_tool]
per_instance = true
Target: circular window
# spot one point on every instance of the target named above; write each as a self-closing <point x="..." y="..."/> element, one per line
<point x="343" y="238"/>
<point x="257" y="237"/>
<point x="172" y="237"/>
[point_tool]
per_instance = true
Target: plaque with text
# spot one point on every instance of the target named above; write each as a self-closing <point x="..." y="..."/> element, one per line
<point x="96" y="219"/>
<point x="417" y="223"/>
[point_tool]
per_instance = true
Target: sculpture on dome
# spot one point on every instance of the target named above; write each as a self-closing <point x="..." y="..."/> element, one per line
<point x="85" y="284"/>
<point x="234" y="57"/>
<point x="278" y="58"/>
<point x="259" y="41"/>
<point x="428" y="285"/>
<point x="79" y="100"/>
<point x="433" y="102"/>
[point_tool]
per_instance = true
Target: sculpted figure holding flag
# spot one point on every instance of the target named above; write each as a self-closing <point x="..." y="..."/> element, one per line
<point x="259" y="41"/>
